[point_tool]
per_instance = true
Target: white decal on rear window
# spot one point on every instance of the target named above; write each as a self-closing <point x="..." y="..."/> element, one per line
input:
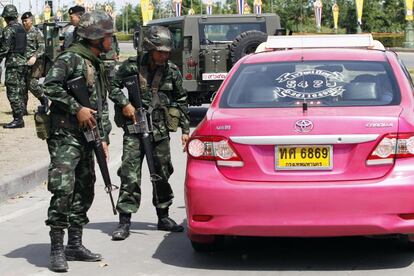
<point x="309" y="84"/>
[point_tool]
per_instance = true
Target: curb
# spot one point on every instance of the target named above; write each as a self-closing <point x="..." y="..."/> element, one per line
<point x="23" y="181"/>
<point x="403" y="50"/>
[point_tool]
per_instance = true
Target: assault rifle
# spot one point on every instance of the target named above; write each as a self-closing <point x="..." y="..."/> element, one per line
<point x="143" y="126"/>
<point x="78" y="89"/>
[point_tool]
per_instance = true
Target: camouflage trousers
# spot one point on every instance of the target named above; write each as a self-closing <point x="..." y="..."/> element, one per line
<point x="71" y="179"/>
<point x="130" y="173"/>
<point x="33" y="85"/>
<point x="15" y="82"/>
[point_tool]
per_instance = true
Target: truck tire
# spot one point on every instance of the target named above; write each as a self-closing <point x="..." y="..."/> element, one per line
<point x="246" y="43"/>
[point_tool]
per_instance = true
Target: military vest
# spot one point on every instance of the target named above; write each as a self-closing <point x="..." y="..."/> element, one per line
<point x="19" y="42"/>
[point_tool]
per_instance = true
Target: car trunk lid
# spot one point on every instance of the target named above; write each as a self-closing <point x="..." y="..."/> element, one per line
<point x="275" y="144"/>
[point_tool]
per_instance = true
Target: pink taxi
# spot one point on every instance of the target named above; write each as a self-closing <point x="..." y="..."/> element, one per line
<point x="309" y="141"/>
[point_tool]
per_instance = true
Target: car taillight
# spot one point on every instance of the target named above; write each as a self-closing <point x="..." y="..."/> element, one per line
<point x="392" y="146"/>
<point x="215" y="148"/>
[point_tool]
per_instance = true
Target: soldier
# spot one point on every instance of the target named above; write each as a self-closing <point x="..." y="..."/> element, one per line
<point x="13" y="47"/>
<point x="34" y="53"/>
<point x="71" y="172"/>
<point x="159" y="78"/>
<point x="1" y="59"/>
<point x="71" y="36"/>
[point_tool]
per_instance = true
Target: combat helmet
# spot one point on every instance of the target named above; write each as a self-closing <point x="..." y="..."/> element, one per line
<point x="9" y="11"/>
<point x="95" y="25"/>
<point x="158" y="38"/>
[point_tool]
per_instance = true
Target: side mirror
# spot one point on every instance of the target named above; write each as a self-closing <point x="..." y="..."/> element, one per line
<point x="213" y="96"/>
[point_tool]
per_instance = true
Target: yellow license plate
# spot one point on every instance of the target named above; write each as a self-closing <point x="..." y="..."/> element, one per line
<point x="301" y="157"/>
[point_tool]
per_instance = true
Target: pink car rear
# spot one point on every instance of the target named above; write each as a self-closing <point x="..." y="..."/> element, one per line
<point x="305" y="143"/>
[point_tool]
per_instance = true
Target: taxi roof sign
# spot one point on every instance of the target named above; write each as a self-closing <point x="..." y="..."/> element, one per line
<point x="323" y="41"/>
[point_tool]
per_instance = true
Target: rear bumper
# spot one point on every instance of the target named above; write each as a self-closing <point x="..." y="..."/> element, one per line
<point x="298" y="209"/>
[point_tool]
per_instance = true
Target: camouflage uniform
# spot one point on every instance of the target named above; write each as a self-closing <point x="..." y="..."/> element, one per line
<point x="171" y="93"/>
<point x="12" y="47"/>
<point x="1" y="59"/>
<point x="71" y="175"/>
<point x="35" y="47"/>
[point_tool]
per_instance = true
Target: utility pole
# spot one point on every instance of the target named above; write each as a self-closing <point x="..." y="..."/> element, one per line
<point x="126" y="13"/>
<point x="123" y="21"/>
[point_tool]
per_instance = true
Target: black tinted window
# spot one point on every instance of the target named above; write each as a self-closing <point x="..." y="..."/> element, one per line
<point x="226" y="31"/>
<point x="176" y="33"/>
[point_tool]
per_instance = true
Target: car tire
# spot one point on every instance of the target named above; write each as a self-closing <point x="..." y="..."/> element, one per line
<point x="214" y="245"/>
<point x="246" y="43"/>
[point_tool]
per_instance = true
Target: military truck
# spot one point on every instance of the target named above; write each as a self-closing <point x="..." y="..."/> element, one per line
<point x="206" y="47"/>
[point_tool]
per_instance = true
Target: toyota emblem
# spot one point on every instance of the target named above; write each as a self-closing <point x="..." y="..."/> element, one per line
<point x="303" y="126"/>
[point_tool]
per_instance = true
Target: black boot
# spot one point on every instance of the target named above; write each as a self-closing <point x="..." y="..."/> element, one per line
<point x="45" y="103"/>
<point x="122" y="231"/>
<point x="16" y="123"/>
<point x="75" y="251"/>
<point x="166" y="223"/>
<point x="58" y="261"/>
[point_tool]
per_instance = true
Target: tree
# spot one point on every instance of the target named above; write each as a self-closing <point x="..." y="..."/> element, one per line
<point x="395" y="19"/>
<point x="129" y="18"/>
<point x="296" y="15"/>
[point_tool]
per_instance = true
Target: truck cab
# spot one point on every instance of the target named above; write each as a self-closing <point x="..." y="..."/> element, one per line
<point x="206" y="47"/>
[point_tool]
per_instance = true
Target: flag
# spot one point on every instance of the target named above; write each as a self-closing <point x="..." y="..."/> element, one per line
<point x="258" y="6"/>
<point x="178" y="5"/>
<point x="209" y="7"/>
<point x="240" y="6"/>
<point x="359" y="6"/>
<point x="409" y="10"/>
<point x="335" y="10"/>
<point x="246" y="8"/>
<point x="318" y="13"/>
<point x="144" y="11"/>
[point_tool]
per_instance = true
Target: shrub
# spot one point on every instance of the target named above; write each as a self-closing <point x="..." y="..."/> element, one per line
<point x="390" y="39"/>
<point x="123" y="36"/>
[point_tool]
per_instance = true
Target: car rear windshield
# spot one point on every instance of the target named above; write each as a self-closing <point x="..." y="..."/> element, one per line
<point x="319" y="83"/>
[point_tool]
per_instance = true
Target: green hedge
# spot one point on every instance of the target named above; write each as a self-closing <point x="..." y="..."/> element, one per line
<point x="124" y="36"/>
<point x="387" y="39"/>
<point x="390" y="40"/>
